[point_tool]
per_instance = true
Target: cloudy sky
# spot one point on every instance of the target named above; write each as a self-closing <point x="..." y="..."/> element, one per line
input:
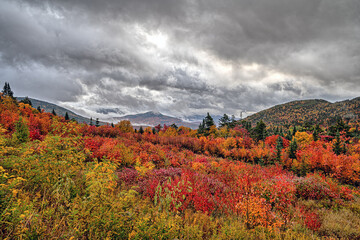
<point x="180" y="57"/>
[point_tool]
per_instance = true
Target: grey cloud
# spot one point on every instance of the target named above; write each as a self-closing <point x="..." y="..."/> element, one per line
<point x="97" y="53"/>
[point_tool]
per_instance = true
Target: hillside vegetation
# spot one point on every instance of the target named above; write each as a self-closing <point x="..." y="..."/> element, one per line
<point x="300" y="112"/>
<point x="63" y="180"/>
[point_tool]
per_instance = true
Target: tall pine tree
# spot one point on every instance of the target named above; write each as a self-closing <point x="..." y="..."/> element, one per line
<point x="209" y="122"/>
<point x="141" y="130"/>
<point x="279" y="147"/>
<point x="26" y="100"/>
<point x="293" y="149"/>
<point x="259" y="132"/>
<point x="7" y="91"/>
<point x="224" y="121"/>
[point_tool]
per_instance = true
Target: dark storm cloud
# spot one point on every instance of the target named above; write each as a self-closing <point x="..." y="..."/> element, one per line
<point x="180" y="56"/>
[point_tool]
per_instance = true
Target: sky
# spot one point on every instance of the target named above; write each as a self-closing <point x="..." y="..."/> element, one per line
<point x="180" y="57"/>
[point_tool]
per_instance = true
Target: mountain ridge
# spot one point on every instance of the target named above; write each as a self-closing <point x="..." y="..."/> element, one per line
<point x="310" y="110"/>
<point x="48" y="107"/>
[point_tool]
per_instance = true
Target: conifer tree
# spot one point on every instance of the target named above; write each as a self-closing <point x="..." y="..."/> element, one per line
<point x="337" y="145"/>
<point x="201" y="128"/>
<point x="279" y="147"/>
<point x="91" y="122"/>
<point x="293" y="149"/>
<point x="289" y="135"/>
<point x="67" y="116"/>
<point x="232" y="122"/>
<point x="97" y="123"/>
<point x="224" y="121"/>
<point x="39" y="109"/>
<point x="259" y="132"/>
<point x="174" y="126"/>
<point x="209" y="122"/>
<point x="294" y="131"/>
<point x="7" y="91"/>
<point x="26" y="100"/>
<point x="53" y="112"/>
<point x="141" y="130"/>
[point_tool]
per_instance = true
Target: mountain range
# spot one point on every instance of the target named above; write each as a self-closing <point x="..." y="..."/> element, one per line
<point x="154" y="118"/>
<point x="142" y="119"/>
<point x="291" y="113"/>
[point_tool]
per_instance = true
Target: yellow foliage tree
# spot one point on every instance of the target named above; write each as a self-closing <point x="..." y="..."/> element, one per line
<point x="125" y="126"/>
<point x="303" y="138"/>
<point x="170" y="132"/>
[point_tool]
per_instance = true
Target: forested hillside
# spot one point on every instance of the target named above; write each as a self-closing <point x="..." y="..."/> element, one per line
<point x="49" y="107"/>
<point x="313" y="111"/>
<point x="60" y="179"/>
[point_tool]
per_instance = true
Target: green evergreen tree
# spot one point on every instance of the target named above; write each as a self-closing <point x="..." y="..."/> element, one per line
<point x="293" y="149"/>
<point x="340" y="126"/>
<point x="294" y="131"/>
<point x="39" y="109"/>
<point x="224" y="121"/>
<point x="91" y="122"/>
<point x="201" y="128"/>
<point x="232" y="123"/>
<point x="7" y="91"/>
<point x="279" y="147"/>
<point x="356" y="132"/>
<point x="26" y="100"/>
<point x="209" y="122"/>
<point x="337" y="145"/>
<point x="97" y="123"/>
<point x="289" y="135"/>
<point x="21" y="131"/>
<point x="259" y="132"/>
<point x="112" y="125"/>
<point x="141" y="130"/>
<point x="53" y="112"/>
<point x="67" y="116"/>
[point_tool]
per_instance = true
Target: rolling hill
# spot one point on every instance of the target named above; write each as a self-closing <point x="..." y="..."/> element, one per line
<point x="48" y="107"/>
<point x="299" y="112"/>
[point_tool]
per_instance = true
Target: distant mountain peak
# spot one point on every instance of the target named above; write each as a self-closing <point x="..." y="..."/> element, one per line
<point x="153" y="118"/>
<point x="154" y="113"/>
